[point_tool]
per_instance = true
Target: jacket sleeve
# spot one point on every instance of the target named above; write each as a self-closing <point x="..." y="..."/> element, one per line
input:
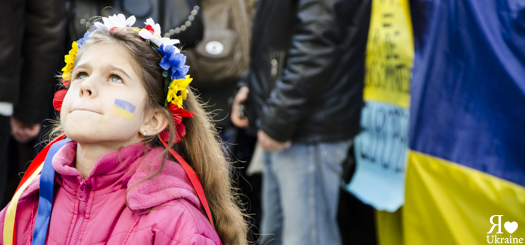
<point x="310" y="62"/>
<point x="42" y="49"/>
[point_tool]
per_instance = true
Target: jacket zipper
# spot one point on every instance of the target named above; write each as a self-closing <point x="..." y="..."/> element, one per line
<point x="81" y="211"/>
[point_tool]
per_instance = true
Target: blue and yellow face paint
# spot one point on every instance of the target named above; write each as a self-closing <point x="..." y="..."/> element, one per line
<point x="123" y="108"/>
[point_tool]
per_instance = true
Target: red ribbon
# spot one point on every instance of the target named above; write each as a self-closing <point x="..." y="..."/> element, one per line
<point x="194" y="179"/>
<point x="39" y="159"/>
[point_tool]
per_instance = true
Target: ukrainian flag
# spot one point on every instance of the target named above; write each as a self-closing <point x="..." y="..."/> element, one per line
<point x="465" y="180"/>
<point x="123" y="108"/>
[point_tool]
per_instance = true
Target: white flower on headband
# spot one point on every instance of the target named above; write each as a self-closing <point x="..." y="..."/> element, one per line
<point x="115" y="21"/>
<point x="153" y="27"/>
<point x="152" y="33"/>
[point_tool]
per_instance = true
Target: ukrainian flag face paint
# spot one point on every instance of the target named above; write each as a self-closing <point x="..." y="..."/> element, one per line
<point x="123" y="108"/>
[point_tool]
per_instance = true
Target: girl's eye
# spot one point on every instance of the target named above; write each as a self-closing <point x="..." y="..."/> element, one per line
<point x="115" y="78"/>
<point x="82" y="75"/>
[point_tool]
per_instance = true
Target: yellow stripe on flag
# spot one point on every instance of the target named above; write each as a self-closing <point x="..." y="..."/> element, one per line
<point x="9" y="224"/>
<point x="122" y="112"/>
<point x="447" y="203"/>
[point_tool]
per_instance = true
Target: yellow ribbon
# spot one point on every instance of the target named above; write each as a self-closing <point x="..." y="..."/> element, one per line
<point x="9" y="224"/>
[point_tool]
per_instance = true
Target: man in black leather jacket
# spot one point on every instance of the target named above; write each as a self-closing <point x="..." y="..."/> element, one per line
<point x="303" y="91"/>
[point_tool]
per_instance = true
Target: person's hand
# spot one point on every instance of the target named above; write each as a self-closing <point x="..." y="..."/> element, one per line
<point x="241" y="97"/>
<point x="23" y="132"/>
<point x="268" y="144"/>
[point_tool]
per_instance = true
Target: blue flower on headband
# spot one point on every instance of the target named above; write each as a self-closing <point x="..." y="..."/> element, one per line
<point x="81" y="41"/>
<point x="174" y="60"/>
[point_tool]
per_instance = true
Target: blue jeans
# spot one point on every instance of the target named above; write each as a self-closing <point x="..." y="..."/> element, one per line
<point x="301" y="193"/>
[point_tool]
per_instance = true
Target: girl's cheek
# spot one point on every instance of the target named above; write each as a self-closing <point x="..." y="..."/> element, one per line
<point x="65" y="107"/>
<point x="67" y="103"/>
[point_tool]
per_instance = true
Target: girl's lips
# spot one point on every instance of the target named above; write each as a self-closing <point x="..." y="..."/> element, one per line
<point x="83" y="109"/>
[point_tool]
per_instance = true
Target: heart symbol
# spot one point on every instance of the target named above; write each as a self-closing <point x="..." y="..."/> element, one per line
<point x="511" y="227"/>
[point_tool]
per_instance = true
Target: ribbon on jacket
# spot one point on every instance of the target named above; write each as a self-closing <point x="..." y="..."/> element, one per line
<point x="34" y="169"/>
<point x="194" y="179"/>
<point x="45" y="200"/>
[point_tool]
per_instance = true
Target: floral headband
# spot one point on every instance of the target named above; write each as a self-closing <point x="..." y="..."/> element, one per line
<point x="173" y="63"/>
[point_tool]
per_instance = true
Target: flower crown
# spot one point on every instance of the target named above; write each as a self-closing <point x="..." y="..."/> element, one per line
<point x="173" y="63"/>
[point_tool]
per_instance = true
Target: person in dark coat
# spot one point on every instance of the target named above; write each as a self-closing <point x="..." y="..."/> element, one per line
<point x="31" y="49"/>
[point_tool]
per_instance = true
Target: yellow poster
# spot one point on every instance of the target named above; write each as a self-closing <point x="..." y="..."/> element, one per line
<point x="390" y="52"/>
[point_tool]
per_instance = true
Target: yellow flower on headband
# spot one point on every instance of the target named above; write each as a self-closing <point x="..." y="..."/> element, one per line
<point x="178" y="90"/>
<point x="70" y="60"/>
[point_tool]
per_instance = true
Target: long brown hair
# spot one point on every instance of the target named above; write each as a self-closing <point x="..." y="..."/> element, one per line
<point x="200" y="147"/>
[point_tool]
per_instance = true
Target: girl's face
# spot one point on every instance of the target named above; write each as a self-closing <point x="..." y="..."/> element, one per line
<point x="106" y="98"/>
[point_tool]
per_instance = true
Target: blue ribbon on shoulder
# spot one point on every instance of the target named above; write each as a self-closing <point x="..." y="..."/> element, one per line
<point x="45" y="201"/>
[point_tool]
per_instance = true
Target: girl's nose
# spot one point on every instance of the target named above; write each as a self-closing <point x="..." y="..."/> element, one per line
<point x="88" y="87"/>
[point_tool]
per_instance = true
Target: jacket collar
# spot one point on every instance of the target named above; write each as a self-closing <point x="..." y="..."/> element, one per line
<point x="108" y="174"/>
<point x="127" y="168"/>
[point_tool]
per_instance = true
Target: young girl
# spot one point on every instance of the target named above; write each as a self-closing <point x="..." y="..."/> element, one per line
<point x="112" y="181"/>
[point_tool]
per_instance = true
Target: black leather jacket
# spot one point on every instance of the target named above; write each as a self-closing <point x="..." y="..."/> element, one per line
<point x="307" y="69"/>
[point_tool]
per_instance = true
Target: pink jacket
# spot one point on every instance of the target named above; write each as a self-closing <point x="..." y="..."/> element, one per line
<point x="94" y="211"/>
